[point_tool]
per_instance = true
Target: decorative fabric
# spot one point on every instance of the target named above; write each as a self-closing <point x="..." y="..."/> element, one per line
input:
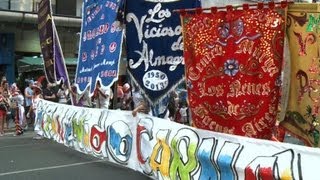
<point x="60" y="68"/>
<point x="45" y="28"/>
<point x="302" y="115"/>
<point x="100" y="46"/>
<point x="54" y="64"/>
<point x="154" y="46"/>
<point x="210" y="3"/>
<point x="233" y="63"/>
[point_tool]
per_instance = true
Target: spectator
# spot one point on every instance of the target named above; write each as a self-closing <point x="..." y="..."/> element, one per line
<point x="5" y="87"/>
<point x="63" y="94"/>
<point x="136" y="97"/>
<point x="8" y="109"/>
<point x="28" y="93"/>
<point x="81" y="100"/>
<point x="49" y="94"/>
<point x="102" y="96"/>
<point x="143" y="107"/>
<point x="35" y="99"/>
<point x="127" y="97"/>
<point x="3" y="112"/>
<point x="119" y="97"/>
<point x="184" y="113"/>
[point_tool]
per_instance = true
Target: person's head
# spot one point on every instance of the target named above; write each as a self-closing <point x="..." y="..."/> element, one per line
<point x="5" y="94"/>
<point x="30" y="83"/>
<point x="36" y="89"/>
<point x="126" y="87"/>
<point x="5" y="84"/>
<point x="98" y="84"/>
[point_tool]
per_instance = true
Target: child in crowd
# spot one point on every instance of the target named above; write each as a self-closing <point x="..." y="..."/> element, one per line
<point x="184" y="113"/>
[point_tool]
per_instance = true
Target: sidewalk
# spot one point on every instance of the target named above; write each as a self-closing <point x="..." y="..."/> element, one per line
<point x="12" y="127"/>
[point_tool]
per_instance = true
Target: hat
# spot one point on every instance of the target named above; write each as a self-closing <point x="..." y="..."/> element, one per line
<point x="34" y="86"/>
<point x="31" y="81"/>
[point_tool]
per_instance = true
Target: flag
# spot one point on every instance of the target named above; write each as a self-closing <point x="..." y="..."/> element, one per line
<point x="233" y="65"/>
<point x="154" y="46"/>
<point x="100" y="44"/>
<point x="303" y="109"/>
<point x="45" y="27"/>
<point x="61" y="72"/>
<point x="54" y="64"/>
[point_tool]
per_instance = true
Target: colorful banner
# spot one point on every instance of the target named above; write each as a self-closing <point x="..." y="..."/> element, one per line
<point x="163" y="149"/>
<point x="100" y="46"/>
<point x="210" y="3"/>
<point x="233" y="64"/>
<point x="302" y="115"/>
<point x="154" y="45"/>
<point x="45" y="28"/>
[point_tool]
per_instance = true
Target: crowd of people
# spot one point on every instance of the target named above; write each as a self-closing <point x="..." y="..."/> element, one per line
<point x="19" y="105"/>
<point x="15" y="105"/>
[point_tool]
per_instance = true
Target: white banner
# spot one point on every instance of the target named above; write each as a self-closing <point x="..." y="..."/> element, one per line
<point x="162" y="149"/>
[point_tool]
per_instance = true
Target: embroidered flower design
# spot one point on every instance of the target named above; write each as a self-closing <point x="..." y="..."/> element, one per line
<point x="231" y="67"/>
<point x="224" y="30"/>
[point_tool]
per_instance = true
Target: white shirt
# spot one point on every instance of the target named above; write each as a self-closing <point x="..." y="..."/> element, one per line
<point x="183" y="111"/>
<point x="102" y="102"/>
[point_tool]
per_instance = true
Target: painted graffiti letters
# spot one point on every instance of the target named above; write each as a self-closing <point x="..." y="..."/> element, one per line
<point x="144" y="136"/>
<point x="243" y="89"/>
<point x="146" y="57"/>
<point x="178" y="152"/>
<point x="145" y="31"/>
<point x="120" y="141"/>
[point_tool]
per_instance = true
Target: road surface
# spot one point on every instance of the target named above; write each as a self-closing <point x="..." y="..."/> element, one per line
<point x="23" y="158"/>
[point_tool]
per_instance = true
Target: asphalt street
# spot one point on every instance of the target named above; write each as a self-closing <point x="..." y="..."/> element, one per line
<point x="23" y="158"/>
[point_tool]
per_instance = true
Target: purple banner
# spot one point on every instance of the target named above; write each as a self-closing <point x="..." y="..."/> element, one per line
<point x="61" y="72"/>
<point x="46" y="38"/>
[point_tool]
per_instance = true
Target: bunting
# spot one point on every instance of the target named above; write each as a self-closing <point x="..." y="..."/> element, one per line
<point x="233" y="63"/>
<point x="100" y="44"/>
<point x="154" y="46"/>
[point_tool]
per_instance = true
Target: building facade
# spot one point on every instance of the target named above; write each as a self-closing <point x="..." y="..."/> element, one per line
<point x="19" y="35"/>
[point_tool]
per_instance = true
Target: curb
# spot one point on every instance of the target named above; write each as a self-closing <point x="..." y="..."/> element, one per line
<point x="9" y="130"/>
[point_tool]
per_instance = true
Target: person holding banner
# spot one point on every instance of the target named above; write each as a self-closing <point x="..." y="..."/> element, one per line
<point x="81" y="100"/>
<point x="102" y="96"/>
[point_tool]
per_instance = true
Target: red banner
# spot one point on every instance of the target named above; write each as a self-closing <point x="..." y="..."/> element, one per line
<point x="233" y="62"/>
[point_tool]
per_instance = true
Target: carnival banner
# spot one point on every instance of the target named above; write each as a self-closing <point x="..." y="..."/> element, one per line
<point x="302" y="115"/>
<point x="45" y="28"/>
<point x="61" y="72"/>
<point x="211" y="3"/>
<point x="100" y="44"/>
<point x="233" y="63"/>
<point x="154" y="45"/>
<point x="163" y="149"/>
<point x="54" y="63"/>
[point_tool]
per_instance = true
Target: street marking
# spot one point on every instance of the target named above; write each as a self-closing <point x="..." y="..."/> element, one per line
<point x="1" y="147"/>
<point x="51" y="167"/>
